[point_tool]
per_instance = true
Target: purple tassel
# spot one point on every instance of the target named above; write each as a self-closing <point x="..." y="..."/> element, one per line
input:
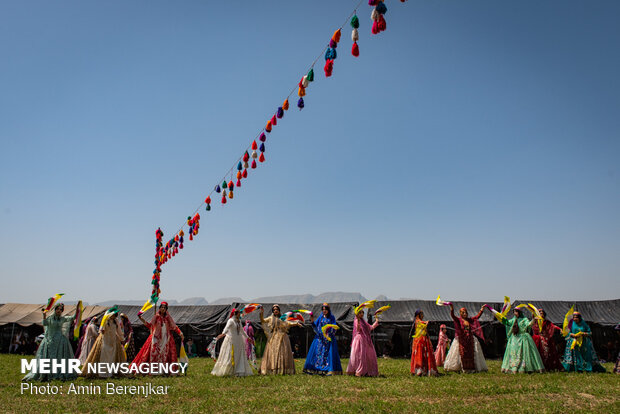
<point x="333" y="44"/>
<point x="300" y="103"/>
<point x="262" y="137"/>
<point x="262" y="148"/>
<point x="280" y="113"/>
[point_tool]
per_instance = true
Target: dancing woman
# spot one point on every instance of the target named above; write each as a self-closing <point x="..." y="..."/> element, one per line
<point x="443" y="342"/>
<point x="363" y="362"/>
<point x="466" y="355"/>
<point x="521" y="354"/>
<point x="55" y="344"/>
<point x="90" y="336"/>
<point x="543" y="333"/>
<point x="232" y="359"/>
<point x="108" y="347"/>
<point x="323" y="357"/>
<point x="278" y="355"/>
<point x="580" y="355"/>
<point x="422" y="357"/>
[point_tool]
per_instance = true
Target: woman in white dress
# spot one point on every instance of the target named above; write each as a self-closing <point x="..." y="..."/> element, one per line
<point x="90" y="336"/>
<point x="465" y="354"/>
<point x="108" y="347"/>
<point x="233" y="360"/>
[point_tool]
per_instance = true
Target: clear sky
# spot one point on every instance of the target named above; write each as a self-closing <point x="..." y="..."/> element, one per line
<point x="472" y="150"/>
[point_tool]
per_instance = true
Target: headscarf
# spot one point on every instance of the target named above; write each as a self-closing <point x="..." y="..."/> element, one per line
<point x="417" y="312"/>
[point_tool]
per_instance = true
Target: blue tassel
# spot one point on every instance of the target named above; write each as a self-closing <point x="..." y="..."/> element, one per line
<point x="262" y="148"/>
<point x="239" y="166"/>
<point x="300" y="103"/>
<point x="280" y="113"/>
<point x="208" y="208"/>
<point x="381" y="8"/>
<point x="217" y="188"/>
<point x="330" y="53"/>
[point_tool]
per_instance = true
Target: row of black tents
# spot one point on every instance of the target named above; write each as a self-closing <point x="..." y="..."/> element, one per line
<point x="392" y="337"/>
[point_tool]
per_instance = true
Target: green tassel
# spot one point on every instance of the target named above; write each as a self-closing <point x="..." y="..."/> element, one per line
<point x="355" y="22"/>
<point x="310" y="75"/>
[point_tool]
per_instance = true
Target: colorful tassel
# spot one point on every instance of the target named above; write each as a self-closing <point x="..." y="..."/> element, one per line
<point x="285" y="105"/>
<point x="246" y="156"/>
<point x="262" y="157"/>
<point x="274" y="120"/>
<point x="355" y="22"/>
<point x="253" y="163"/>
<point x="262" y="148"/>
<point x="254" y="145"/>
<point x="336" y="36"/>
<point x="310" y="75"/>
<point x="329" y="67"/>
<point x="230" y="194"/>
<point x="355" y="36"/>
<point x="301" y="91"/>
<point x="267" y="127"/>
<point x="238" y="175"/>
<point x="208" y="208"/>
<point x="231" y="185"/>
<point x="300" y="103"/>
<point x="254" y="154"/>
<point x="239" y="166"/>
<point x="330" y="53"/>
<point x="224" y="185"/>
<point x="381" y="24"/>
<point x="208" y="200"/>
<point x="304" y="81"/>
<point x="245" y="173"/>
<point x="373" y="2"/>
<point x="355" y="50"/>
<point x="223" y="202"/>
<point x="333" y="44"/>
<point x="381" y="8"/>
<point x="217" y="188"/>
<point x="238" y="182"/>
<point x="374" y="15"/>
<point x="280" y="113"/>
<point x="246" y="165"/>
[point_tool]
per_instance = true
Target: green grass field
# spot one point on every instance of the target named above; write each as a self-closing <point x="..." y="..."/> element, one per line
<point x="395" y="391"/>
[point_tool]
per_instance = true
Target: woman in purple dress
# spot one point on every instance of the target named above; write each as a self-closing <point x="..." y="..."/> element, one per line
<point x="363" y="362"/>
<point x="249" y="341"/>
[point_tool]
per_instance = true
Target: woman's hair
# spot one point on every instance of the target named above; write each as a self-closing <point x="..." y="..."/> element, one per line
<point x="515" y="325"/>
<point x="418" y="312"/>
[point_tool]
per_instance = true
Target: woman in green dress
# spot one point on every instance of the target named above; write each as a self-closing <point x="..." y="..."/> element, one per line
<point x="521" y="353"/>
<point x="580" y="355"/>
<point x="55" y="344"/>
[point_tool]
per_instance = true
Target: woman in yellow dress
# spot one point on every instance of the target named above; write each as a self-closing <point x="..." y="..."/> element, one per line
<point x="278" y="355"/>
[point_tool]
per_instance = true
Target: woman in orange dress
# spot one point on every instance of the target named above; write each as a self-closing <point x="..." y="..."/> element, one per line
<point x="422" y="356"/>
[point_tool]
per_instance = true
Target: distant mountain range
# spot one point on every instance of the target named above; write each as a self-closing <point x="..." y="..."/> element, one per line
<point x="329" y="297"/>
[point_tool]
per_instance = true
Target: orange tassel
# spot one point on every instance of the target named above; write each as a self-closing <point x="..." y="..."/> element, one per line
<point x="238" y="175"/>
<point x="302" y="91"/>
<point x="268" y="126"/>
<point x="336" y="36"/>
<point x="285" y="105"/>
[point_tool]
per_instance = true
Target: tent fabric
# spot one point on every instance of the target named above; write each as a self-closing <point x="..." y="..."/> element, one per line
<point x="30" y="314"/>
<point x="403" y="311"/>
<point x="202" y="316"/>
<point x="603" y="312"/>
<point x="342" y="311"/>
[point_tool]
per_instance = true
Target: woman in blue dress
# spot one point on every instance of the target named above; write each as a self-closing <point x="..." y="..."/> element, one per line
<point x="580" y="355"/>
<point x="323" y="357"/>
<point x="55" y="344"/>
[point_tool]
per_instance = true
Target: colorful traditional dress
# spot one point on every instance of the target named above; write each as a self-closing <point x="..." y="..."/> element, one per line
<point x="323" y="357"/>
<point x="232" y="359"/>
<point x="278" y="356"/>
<point x="466" y="353"/>
<point x="580" y="355"/>
<point x="159" y="346"/>
<point x="249" y="331"/>
<point x="521" y="354"/>
<point x="422" y="356"/>
<point x="442" y="344"/>
<point x="543" y="338"/>
<point x="88" y="340"/>
<point x="55" y="345"/>
<point x="363" y="362"/>
<point x="108" y="348"/>
<point x="128" y="342"/>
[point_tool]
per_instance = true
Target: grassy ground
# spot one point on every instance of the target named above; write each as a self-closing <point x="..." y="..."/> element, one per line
<point x="394" y="391"/>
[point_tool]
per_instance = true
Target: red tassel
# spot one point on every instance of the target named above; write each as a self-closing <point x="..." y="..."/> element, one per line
<point x="254" y="145"/>
<point x="230" y="185"/>
<point x="191" y="237"/>
<point x="223" y="199"/>
<point x="355" y="50"/>
<point x="239" y="183"/>
<point x="329" y="67"/>
<point x="245" y="174"/>
<point x="273" y="120"/>
<point x="246" y="156"/>
<point x="375" y="28"/>
<point x="262" y="157"/>
<point x="381" y="24"/>
<point x="181" y="246"/>
<point x="208" y="200"/>
<point x="253" y="163"/>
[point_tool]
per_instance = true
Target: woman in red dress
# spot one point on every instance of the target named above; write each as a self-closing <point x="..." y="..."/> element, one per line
<point x="543" y="338"/>
<point x="159" y="346"/>
<point x="422" y="356"/>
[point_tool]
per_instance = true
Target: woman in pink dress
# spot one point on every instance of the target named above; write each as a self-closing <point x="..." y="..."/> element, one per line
<point x="442" y="344"/>
<point x="363" y="362"/>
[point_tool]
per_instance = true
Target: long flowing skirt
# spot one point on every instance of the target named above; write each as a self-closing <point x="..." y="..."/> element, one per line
<point x="130" y="349"/>
<point x="87" y="346"/>
<point x="278" y="356"/>
<point x="105" y="351"/>
<point x="363" y="362"/>
<point x="422" y="357"/>
<point x="548" y="353"/>
<point x="581" y="359"/>
<point x="453" y="360"/>
<point x="521" y="355"/>
<point x="164" y="352"/>
<point x="323" y="358"/>
<point x="232" y="359"/>
<point x="440" y="354"/>
<point x="57" y="347"/>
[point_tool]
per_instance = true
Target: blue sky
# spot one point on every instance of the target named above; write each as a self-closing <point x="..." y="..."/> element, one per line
<point x="472" y="150"/>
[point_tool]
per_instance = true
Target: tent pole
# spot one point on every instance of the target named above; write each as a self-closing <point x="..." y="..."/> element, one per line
<point x="11" y="340"/>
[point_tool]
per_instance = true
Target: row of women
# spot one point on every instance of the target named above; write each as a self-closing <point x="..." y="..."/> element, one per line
<point x="525" y="352"/>
<point x="111" y="342"/>
<point x="530" y="347"/>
